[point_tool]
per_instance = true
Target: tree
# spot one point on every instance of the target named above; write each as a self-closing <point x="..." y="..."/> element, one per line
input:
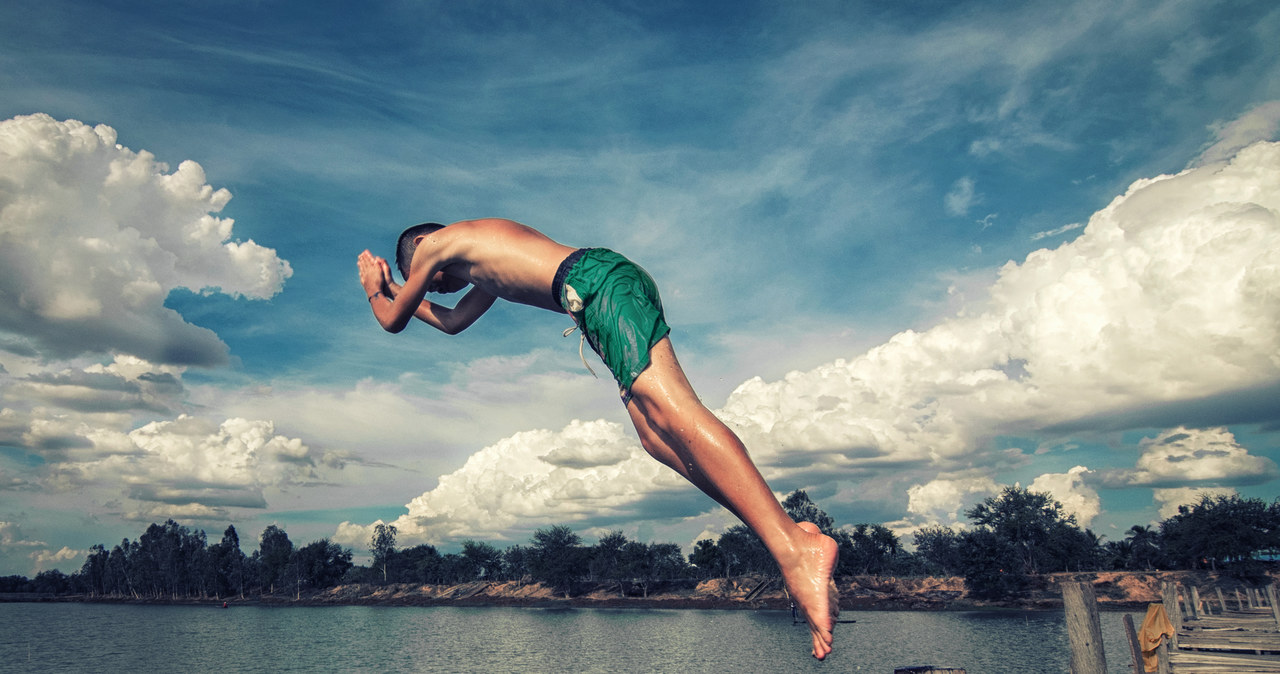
<point x="606" y="560"/>
<point x="637" y="563"/>
<point x="706" y="558"/>
<point x="14" y="584"/>
<point x="419" y="564"/>
<point x="1073" y="549"/>
<point x="867" y="549"/>
<point x="318" y="565"/>
<point x="1221" y="530"/>
<point x="228" y="563"/>
<point x="273" y="555"/>
<point x="170" y="559"/>
<point x="992" y="564"/>
<point x="455" y="569"/>
<point x="484" y="560"/>
<point x="52" y="581"/>
<point x="939" y="548"/>
<point x="556" y="557"/>
<point x="383" y="546"/>
<point x="94" y="572"/>
<point x="1019" y="533"/>
<point x="1044" y="537"/>
<point x="1144" y="547"/>
<point x="115" y="577"/>
<point x="667" y="562"/>
<point x="742" y="552"/>
<point x="516" y="563"/>
<point x="801" y="509"/>
<point x="1117" y="555"/>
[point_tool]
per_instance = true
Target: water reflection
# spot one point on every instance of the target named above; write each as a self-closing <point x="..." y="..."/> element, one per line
<point x="120" y="638"/>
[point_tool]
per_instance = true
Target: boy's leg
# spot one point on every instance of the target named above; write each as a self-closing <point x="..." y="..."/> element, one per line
<point x="655" y="443"/>
<point x="678" y="430"/>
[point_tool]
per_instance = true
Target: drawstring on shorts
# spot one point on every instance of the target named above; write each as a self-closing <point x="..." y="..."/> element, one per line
<point x="575" y="305"/>
<point x="581" y="353"/>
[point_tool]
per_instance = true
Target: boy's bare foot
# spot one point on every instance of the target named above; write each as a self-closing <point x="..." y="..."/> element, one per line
<point x="810" y="583"/>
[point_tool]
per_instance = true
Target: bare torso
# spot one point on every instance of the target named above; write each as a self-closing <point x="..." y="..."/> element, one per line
<point x="506" y="259"/>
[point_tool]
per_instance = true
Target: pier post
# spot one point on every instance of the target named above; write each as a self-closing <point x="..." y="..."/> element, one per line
<point x="1271" y="599"/>
<point x="1084" y="629"/>
<point x="1169" y="595"/>
<point x="1135" y="647"/>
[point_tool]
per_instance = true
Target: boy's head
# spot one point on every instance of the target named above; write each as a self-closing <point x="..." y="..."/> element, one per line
<point x="408" y="243"/>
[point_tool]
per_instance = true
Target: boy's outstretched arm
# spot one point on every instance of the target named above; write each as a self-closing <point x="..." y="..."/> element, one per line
<point x="393" y="305"/>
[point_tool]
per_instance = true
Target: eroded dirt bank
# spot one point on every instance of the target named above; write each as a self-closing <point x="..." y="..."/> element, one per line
<point x="1115" y="590"/>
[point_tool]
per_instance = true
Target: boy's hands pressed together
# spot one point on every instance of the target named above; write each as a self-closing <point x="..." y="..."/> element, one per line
<point x="390" y="287"/>
<point x="375" y="274"/>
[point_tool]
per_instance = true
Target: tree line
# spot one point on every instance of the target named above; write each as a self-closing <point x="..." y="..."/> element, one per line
<point x="1019" y="533"/>
<point x="172" y="561"/>
<point x="1011" y="537"/>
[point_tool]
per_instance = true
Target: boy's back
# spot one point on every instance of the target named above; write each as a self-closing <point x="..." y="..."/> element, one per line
<point x="503" y="258"/>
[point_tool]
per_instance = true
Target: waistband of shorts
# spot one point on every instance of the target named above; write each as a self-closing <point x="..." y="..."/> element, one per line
<point x="557" y="284"/>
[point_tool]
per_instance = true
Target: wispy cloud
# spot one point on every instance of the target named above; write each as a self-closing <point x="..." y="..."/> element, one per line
<point x="1057" y="231"/>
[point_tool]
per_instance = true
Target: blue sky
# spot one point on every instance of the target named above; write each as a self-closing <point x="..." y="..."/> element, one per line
<point x="911" y="251"/>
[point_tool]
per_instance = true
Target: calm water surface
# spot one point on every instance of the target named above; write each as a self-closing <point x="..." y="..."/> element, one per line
<point x="126" y="638"/>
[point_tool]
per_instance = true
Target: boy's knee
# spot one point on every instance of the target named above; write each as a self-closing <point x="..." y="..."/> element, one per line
<point x="655" y="411"/>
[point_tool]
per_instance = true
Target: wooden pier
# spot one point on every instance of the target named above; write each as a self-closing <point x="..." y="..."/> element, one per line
<point x="1214" y="634"/>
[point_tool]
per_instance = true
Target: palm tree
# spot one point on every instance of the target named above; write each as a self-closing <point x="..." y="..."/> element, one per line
<point x="1145" y="543"/>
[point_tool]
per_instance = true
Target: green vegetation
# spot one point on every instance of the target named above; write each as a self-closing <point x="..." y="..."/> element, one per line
<point x="1011" y="537"/>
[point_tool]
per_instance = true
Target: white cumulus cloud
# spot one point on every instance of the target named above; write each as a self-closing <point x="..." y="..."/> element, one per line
<point x="1172" y="498"/>
<point x="188" y="467"/>
<point x="94" y="236"/>
<point x="585" y="469"/>
<point x="1212" y="455"/>
<point x="1168" y="295"/>
<point x="940" y="501"/>
<point x="53" y="558"/>
<point x="1260" y="123"/>
<point x="1071" y="490"/>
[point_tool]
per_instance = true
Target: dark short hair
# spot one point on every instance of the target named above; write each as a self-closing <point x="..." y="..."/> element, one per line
<point x="406" y="245"/>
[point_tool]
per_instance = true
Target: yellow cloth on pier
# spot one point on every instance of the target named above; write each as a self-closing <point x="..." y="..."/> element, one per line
<point x="1154" y="627"/>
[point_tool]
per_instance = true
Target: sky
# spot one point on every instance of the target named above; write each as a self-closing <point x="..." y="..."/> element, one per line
<point x="911" y="252"/>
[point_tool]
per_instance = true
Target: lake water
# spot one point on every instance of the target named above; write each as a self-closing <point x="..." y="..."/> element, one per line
<point x="48" y="637"/>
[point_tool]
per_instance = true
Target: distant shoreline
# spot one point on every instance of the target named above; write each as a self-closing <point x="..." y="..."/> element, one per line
<point x="1116" y="590"/>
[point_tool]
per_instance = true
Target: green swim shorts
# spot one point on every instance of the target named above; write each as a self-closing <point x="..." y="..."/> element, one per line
<point x="616" y="305"/>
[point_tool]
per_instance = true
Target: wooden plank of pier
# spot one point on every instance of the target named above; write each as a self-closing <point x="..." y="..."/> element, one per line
<point x="1209" y="662"/>
<point x="1229" y="640"/>
<point x="1244" y="641"/>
